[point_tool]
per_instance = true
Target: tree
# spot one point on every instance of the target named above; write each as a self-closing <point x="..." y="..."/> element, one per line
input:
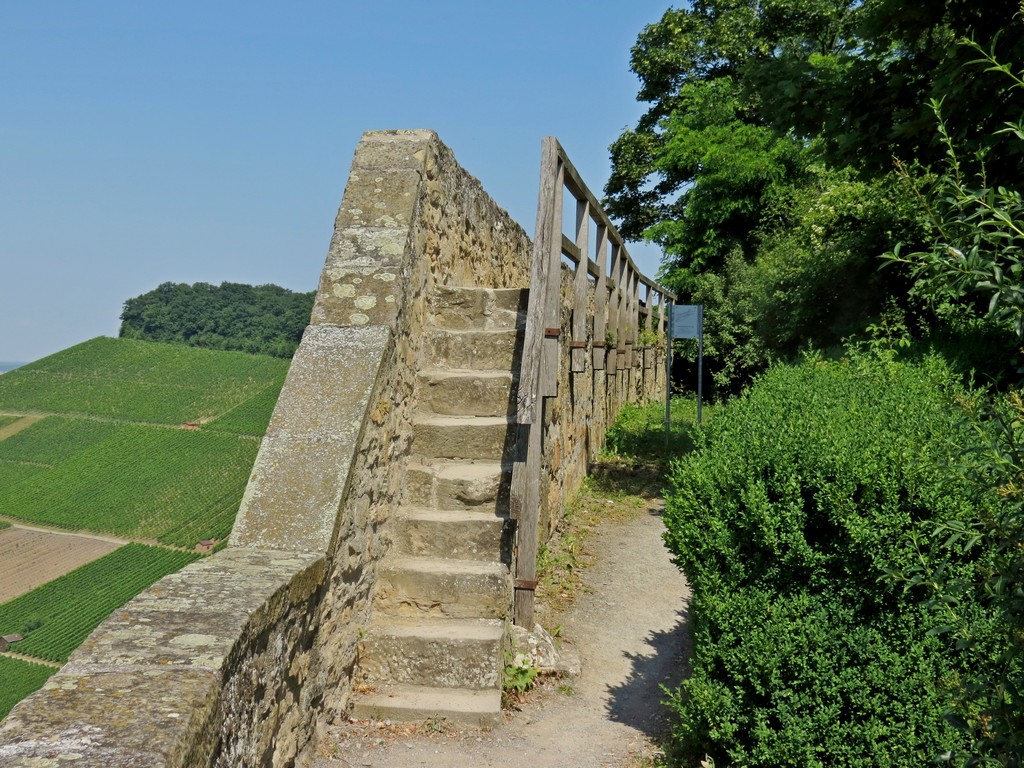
<point x="265" y="319"/>
<point x="847" y="81"/>
<point x="763" y="111"/>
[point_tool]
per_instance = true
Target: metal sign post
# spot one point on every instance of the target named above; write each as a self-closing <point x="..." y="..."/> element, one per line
<point x="668" y="381"/>
<point x="686" y="321"/>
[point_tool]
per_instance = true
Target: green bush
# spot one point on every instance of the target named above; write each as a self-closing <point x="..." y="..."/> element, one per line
<point x="801" y="497"/>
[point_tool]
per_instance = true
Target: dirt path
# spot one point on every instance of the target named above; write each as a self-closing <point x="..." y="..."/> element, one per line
<point x="15" y="427"/>
<point x="629" y="629"/>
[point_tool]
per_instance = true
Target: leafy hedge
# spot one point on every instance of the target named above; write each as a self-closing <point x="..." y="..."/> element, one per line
<point x="801" y="497"/>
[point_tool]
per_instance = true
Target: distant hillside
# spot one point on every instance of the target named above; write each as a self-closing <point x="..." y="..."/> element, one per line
<point x="102" y="457"/>
<point x="263" y="319"/>
<point x="142" y="441"/>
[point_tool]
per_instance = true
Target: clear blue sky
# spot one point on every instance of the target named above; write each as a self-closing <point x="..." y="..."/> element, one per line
<point x="143" y="142"/>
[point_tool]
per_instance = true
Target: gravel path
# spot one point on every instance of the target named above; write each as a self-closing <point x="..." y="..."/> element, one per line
<point x="629" y="629"/>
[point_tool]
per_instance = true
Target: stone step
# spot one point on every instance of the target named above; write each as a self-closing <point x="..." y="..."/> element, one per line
<point x="461" y="437"/>
<point x="465" y="393"/>
<point x="444" y="653"/>
<point x="412" y="702"/>
<point x="479" y="308"/>
<point x="452" y="534"/>
<point x="455" y="484"/>
<point x="477" y="350"/>
<point x="457" y="589"/>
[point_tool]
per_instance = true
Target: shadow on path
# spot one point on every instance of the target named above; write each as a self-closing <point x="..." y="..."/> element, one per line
<point x="638" y="701"/>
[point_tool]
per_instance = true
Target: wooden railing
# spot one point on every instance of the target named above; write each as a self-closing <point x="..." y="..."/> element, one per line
<point x="607" y="316"/>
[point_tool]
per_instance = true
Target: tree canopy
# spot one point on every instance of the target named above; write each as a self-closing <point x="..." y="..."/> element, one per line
<point x="765" y="163"/>
<point x="264" y="319"/>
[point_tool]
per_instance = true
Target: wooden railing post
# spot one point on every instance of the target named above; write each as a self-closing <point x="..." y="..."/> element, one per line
<point x="617" y="309"/>
<point x="601" y="299"/>
<point x="524" y="494"/>
<point x="580" y="302"/>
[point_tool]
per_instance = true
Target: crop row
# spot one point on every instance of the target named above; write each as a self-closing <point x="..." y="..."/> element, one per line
<point x="139" y="482"/>
<point x="55" y="618"/>
<point x="252" y="416"/>
<point x="139" y="381"/>
<point x="20" y="678"/>
<point x="12" y="473"/>
<point x="213" y="521"/>
<point x="55" y="439"/>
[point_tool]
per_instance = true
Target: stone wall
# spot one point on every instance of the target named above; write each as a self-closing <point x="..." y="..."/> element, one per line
<point x="234" y="660"/>
<point x="575" y="422"/>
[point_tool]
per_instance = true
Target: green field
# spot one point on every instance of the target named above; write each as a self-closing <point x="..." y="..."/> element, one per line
<point x="110" y="456"/>
<point x="135" y="482"/>
<point x="251" y="416"/>
<point x="20" y="678"/>
<point x="139" y="381"/>
<point x="54" y="439"/>
<point x="55" y="618"/>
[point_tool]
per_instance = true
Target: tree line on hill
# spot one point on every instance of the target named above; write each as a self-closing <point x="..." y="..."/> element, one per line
<point x="262" y="319"/>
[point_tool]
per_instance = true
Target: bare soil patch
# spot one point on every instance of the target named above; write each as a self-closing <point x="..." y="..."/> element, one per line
<point x="29" y="557"/>
<point x="23" y="423"/>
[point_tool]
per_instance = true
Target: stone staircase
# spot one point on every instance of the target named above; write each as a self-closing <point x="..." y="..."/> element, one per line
<point x="436" y="646"/>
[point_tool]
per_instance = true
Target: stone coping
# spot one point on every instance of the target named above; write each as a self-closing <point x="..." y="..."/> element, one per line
<point x="146" y="688"/>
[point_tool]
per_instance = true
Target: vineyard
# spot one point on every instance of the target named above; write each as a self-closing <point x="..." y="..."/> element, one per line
<point x="55" y="618"/>
<point x="11" y="473"/>
<point x="137" y="482"/>
<point x="139" y="381"/>
<point x="138" y="440"/>
<point x="20" y="679"/>
<point x="54" y="439"/>
<point x="252" y="416"/>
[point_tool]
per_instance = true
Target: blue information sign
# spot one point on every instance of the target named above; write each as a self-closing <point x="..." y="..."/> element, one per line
<point x="686" y="321"/>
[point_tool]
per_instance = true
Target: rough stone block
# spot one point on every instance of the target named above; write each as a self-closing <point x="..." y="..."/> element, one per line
<point x="380" y="197"/>
<point x="362" y="281"/>
<point x="472" y="350"/>
<point x="462" y="535"/>
<point x="477" y="393"/>
<point x="448" y="653"/>
<point x="479" y="308"/>
<point x="134" y="718"/>
<point x="455" y="437"/>
<point x="456" y="484"/>
<point x="395" y="149"/>
<point x="296" y="490"/>
<point x="411" y="702"/>
<point x="196" y="616"/>
<point x="457" y="589"/>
